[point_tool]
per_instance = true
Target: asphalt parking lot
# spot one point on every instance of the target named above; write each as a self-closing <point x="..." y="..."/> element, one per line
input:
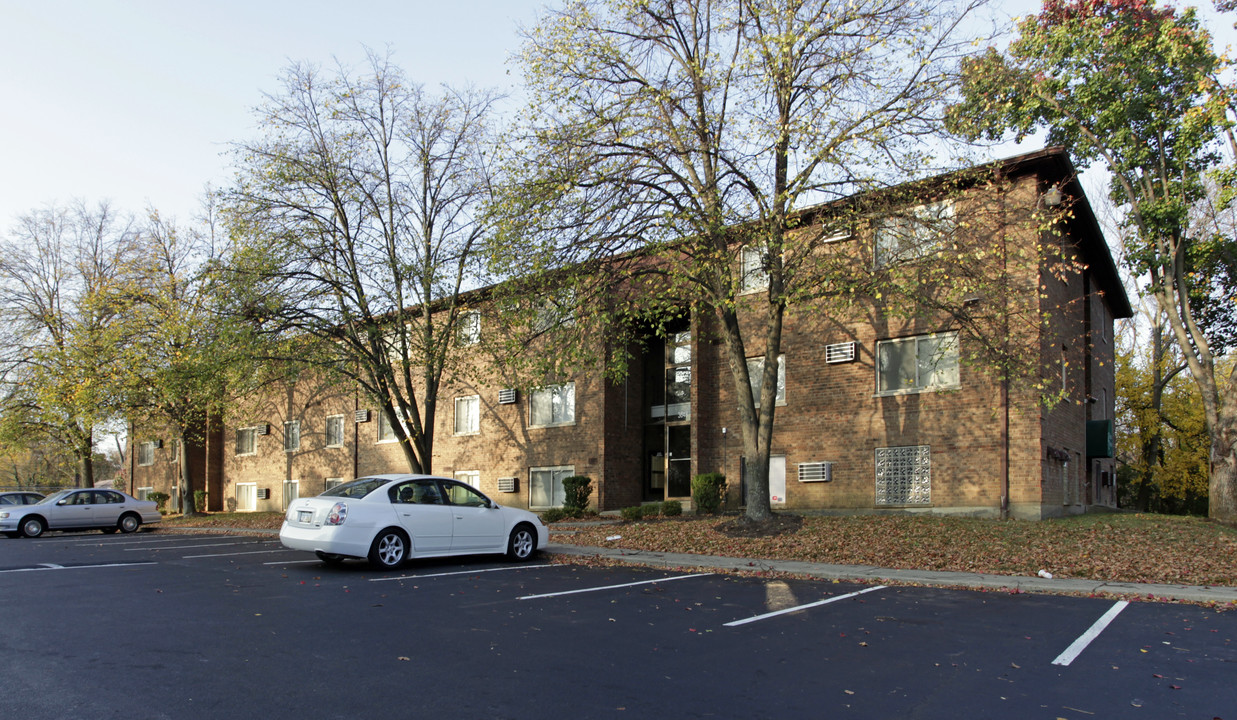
<point x="161" y="625"/>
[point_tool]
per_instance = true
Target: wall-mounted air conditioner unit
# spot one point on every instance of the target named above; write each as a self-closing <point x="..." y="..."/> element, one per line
<point x="362" y="416"/>
<point x="840" y="352"/>
<point x="506" y="485"/>
<point x="816" y="472"/>
<point x="506" y="396"/>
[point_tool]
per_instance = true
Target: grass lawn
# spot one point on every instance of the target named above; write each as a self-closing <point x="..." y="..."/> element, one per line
<point x="1119" y="547"/>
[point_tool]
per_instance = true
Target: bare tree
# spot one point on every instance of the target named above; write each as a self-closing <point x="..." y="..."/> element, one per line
<point x="698" y="130"/>
<point x="356" y="219"/>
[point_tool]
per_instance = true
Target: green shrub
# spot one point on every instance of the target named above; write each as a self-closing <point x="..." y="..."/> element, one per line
<point x="199" y="500"/>
<point x="672" y="508"/>
<point x="576" y="491"/>
<point x="160" y="499"/>
<point x="553" y="515"/>
<point x="708" y="489"/>
<point x="632" y="513"/>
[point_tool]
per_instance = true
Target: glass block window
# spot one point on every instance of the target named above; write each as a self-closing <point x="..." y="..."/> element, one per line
<point x="903" y="475"/>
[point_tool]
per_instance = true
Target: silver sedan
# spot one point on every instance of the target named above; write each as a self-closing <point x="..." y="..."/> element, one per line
<point x="78" y="509"/>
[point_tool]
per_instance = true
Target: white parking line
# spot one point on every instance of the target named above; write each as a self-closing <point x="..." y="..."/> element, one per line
<point x="1074" y="650"/>
<point x="141" y="541"/>
<point x="460" y="572"/>
<point x="190" y="547"/>
<point x="614" y="587"/>
<point x="797" y="608"/>
<point x="49" y="566"/>
<point x="247" y="552"/>
<point x="292" y="562"/>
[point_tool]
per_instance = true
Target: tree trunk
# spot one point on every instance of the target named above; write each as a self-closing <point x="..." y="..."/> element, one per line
<point x="1222" y="487"/>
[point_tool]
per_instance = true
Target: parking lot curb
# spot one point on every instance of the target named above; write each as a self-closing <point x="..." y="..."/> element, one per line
<point x="870" y="574"/>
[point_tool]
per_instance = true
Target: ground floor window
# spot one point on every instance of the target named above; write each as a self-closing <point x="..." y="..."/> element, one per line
<point x="246" y="497"/>
<point x="545" y="486"/>
<point x="332" y="482"/>
<point x="904" y="475"/>
<point x="143" y="493"/>
<point x="469" y="477"/>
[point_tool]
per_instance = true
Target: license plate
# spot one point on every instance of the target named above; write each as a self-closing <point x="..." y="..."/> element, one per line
<point x="305" y="516"/>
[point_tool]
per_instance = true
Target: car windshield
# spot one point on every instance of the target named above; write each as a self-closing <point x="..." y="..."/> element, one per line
<point x="356" y="488"/>
<point x="51" y="499"/>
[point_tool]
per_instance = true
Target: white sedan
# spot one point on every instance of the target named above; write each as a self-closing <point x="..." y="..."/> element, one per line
<point x="391" y="518"/>
<point x="78" y="509"/>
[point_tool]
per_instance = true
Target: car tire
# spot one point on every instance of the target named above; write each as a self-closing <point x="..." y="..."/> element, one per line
<point x="33" y="527"/>
<point x="390" y="549"/>
<point x="129" y="523"/>
<point x="522" y="544"/>
<point x="329" y="558"/>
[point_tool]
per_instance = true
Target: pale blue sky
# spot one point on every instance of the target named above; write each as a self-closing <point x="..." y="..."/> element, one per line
<point x="136" y="100"/>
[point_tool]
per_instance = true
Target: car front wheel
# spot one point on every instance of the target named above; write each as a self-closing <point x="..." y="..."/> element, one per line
<point x="389" y="550"/>
<point x="522" y="543"/>
<point x="33" y="527"/>
<point x="129" y="523"/>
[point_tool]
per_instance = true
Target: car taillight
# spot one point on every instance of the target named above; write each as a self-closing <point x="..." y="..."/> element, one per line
<point x="337" y="515"/>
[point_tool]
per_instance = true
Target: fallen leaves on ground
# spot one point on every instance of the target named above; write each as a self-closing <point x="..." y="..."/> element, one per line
<point x="1115" y="547"/>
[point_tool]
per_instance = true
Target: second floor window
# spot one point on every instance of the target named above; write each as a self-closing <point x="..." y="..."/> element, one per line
<point x="469" y="328"/>
<point x="292" y="436"/>
<point x="467" y="415"/>
<point x="335" y="431"/>
<point x="916" y="364"/>
<point x="146" y="453"/>
<point x="246" y="441"/>
<point x="553" y="405"/>
<point x="753" y="277"/>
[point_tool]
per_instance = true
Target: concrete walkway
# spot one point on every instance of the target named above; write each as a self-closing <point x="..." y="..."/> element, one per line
<point x="869" y="574"/>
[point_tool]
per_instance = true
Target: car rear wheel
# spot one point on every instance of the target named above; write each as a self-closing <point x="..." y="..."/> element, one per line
<point x="33" y="527"/>
<point x="129" y="523"/>
<point x="522" y="543"/>
<point x="389" y="550"/>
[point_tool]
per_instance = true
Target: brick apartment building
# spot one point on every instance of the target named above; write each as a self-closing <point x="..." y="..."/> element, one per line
<point x="851" y="435"/>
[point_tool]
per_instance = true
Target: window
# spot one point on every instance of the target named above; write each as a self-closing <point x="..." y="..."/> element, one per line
<point x="553" y="312"/>
<point x="143" y="493"/>
<point x="904" y="475"/>
<point x="755" y="371"/>
<point x="546" y="486"/>
<point x="385" y="432"/>
<point x="916" y="364"/>
<point x="464" y="495"/>
<point x="467" y="415"/>
<point x="553" y="405"/>
<point x="247" y="441"/>
<point x="292" y="436"/>
<point x="335" y="431"/>
<point x="753" y="276"/>
<point x="469" y="477"/>
<point x="469" y="331"/>
<point x="915" y="234"/>
<point x="146" y="453"/>
<point x="175" y="450"/>
<point x="246" y="497"/>
<point x="332" y="483"/>
<point x="291" y="491"/>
